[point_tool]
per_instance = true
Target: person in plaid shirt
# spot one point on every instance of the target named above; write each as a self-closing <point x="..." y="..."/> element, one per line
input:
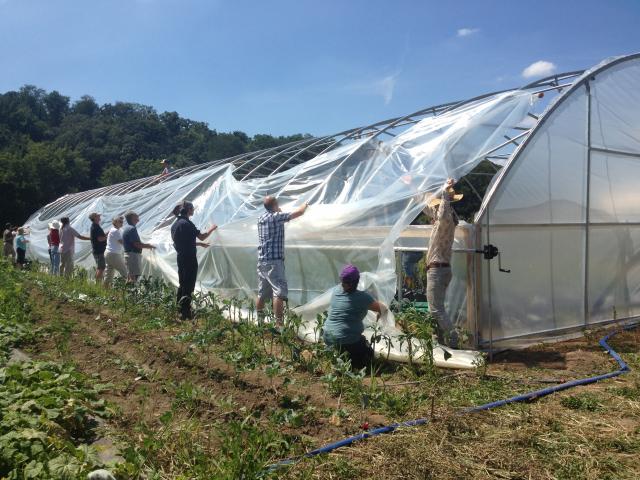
<point x="272" y="282"/>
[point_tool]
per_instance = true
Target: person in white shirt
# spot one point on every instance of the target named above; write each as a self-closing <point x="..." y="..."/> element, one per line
<point x="114" y="254"/>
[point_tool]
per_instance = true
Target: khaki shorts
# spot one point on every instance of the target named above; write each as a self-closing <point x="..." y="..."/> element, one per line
<point x="271" y="280"/>
<point x="66" y="264"/>
<point x="133" y="261"/>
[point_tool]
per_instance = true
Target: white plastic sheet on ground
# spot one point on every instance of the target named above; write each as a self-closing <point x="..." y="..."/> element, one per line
<point x="362" y="195"/>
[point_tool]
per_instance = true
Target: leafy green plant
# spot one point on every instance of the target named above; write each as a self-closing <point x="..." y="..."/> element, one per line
<point x="246" y="449"/>
<point x="582" y="401"/>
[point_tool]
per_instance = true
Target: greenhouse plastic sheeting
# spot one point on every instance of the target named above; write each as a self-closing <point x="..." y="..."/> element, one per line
<point x="362" y="196"/>
<point x="565" y="215"/>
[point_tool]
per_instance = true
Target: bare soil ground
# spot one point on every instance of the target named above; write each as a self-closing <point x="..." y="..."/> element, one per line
<point x="545" y="439"/>
<point x="146" y="367"/>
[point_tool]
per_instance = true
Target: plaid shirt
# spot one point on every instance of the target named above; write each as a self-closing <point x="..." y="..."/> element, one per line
<point x="271" y="236"/>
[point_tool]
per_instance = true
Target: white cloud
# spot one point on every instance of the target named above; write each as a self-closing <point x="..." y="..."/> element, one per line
<point x="386" y="87"/>
<point x="383" y="87"/>
<point x="465" y="32"/>
<point x="541" y="68"/>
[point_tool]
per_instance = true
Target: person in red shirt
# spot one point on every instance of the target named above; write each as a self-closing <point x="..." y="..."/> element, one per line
<point x="54" y="247"/>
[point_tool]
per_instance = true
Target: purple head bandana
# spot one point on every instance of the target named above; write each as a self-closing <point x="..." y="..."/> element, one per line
<point x="350" y="274"/>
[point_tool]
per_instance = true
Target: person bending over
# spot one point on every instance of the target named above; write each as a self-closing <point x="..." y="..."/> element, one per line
<point x="344" y="325"/>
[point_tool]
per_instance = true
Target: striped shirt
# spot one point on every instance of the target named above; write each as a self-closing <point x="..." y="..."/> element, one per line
<point x="271" y="236"/>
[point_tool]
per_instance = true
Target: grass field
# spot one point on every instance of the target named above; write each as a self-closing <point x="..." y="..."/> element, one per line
<point x="214" y="399"/>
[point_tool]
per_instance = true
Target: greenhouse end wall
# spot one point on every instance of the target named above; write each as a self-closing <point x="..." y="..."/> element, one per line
<point x="565" y="214"/>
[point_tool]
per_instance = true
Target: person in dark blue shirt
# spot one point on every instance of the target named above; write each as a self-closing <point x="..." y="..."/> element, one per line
<point x="184" y="234"/>
<point x="98" y="245"/>
<point x="133" y="247"/>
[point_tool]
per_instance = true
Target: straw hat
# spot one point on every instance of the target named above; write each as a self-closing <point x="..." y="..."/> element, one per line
<point x="453" y="197"/>
<point x="55" y="225"/>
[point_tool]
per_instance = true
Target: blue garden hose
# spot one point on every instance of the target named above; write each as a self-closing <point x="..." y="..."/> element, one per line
<point x="531" y="396"/>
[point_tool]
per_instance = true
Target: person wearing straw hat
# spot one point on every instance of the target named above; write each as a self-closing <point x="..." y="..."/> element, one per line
<point x="54" y="247"/>
<point x="344" y="326"/>
<point x="438" y="259"/>
<point x="166" y="170"/>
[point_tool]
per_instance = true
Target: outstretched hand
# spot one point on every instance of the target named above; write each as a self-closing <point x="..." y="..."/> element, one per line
<point x="213" y="227"/>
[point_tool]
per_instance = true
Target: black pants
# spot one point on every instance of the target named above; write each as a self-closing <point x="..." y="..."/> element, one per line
<point x="360" y="353"/>
<point x="21" y="256"/>
<point x="187" y="272"/>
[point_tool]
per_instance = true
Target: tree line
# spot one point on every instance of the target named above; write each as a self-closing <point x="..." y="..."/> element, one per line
<point x="50" y="146"/>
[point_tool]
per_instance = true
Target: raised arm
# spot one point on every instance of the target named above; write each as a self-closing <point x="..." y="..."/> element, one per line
<point x="299" y="211"/>
<point x="203" y="236"/>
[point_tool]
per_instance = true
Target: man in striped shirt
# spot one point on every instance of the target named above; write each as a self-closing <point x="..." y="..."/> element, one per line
<point x="272" y="282"/>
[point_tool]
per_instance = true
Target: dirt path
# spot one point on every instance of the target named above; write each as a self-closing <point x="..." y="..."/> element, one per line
<point x="147" y="368"/>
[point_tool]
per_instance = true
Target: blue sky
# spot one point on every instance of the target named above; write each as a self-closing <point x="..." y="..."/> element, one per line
<point x="287" y="66"/>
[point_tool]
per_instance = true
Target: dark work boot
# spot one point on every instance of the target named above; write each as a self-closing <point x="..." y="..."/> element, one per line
<point x="184" y="305"/>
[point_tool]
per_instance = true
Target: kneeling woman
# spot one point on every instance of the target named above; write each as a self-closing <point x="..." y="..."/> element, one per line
<point x="344" y="325"/>
<point x="184" y="234"/>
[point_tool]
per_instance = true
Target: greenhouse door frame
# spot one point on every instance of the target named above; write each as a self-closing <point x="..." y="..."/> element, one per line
<point x="483" y="222"/>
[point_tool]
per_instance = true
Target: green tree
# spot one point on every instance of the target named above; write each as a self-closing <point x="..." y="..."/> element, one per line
<point x="113" y="174"/>
<point x="57" y="107"/>
<point x="49" y="147"/>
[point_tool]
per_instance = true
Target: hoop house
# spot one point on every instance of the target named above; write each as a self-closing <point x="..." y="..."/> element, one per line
<point x="561" y="211"/>
<point x="565" y="213"/>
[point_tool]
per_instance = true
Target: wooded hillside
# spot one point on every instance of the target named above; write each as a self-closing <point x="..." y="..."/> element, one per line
<point x="50" y="146"/>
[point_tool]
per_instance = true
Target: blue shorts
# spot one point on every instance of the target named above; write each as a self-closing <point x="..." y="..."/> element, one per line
<point x="271" y="280"/>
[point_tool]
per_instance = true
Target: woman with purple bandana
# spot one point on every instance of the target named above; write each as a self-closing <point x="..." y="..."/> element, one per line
<point x="344" y="325"/>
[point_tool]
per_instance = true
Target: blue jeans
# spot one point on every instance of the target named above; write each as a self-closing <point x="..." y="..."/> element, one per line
<point x="55" y="260"/>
